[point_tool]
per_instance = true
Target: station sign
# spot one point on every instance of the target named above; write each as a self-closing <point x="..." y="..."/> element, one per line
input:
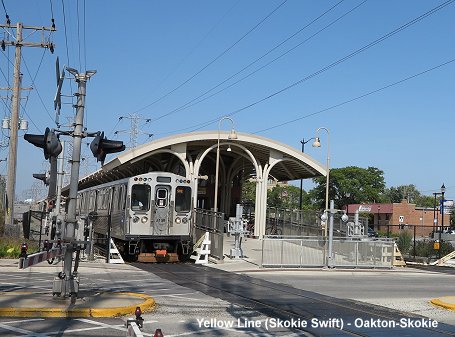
<point x="365" y="208"/>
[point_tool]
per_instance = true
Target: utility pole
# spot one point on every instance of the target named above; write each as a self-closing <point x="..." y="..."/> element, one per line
<point x="134" y="128"/>
<point x="12" y="158"/>
<point x="71" y="282"/>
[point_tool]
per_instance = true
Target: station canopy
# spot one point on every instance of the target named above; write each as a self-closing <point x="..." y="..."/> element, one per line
<point x="194" y="154"/>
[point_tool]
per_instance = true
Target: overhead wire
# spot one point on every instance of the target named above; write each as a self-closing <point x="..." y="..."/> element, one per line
<point x="326" y="68"/>
<point x="358" y="97"/>
<point x="52" y="14"/>
<point x="195" y="101"/>
<point x="215" y="59"/>
<point x="78" y="34"/>
<point x="8" y="21"/>
<point x="85" y="41"/>
<point x="33" y="78"/>
<point x="175" y="68"/>
<point x="207" y="123"/>
<point x="66" y="41"/>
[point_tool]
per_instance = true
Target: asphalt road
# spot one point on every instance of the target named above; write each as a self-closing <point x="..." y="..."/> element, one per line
<point x="407" y="289"/>
<point x="204" y="302"/>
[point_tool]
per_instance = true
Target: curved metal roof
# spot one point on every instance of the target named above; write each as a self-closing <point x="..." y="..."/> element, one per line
<point x="155" y="154"/>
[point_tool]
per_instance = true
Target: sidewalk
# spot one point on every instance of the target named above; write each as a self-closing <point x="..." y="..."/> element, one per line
<point x="89" y="304"/>
<point x="252" y="256"/>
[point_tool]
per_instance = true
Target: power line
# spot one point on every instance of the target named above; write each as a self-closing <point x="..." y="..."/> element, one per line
<point x="78" y="34"/>
<point x="358" y="97"/>
<point x="52" y="14"/>
<point x="85" y="42"/>
<point x="339" y="61"/>
<point x="194" y="48"/>
<point x="8" y="21"/>
<point x="326" y="109"/>
<point x="188" y="104"/>
<point x="214" y="60"/>
<point x="34" y="85"/>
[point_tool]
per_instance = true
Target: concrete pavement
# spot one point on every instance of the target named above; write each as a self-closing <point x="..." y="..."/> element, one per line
<point x="90" y="303"/>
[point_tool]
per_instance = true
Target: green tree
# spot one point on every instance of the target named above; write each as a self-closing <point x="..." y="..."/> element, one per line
<point x="249" y="191"/>
<point x="284" y="196"/>
<point x="409" y="192"/>
<point x="350" y="185"/>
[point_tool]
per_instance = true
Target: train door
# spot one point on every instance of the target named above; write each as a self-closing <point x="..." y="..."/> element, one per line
<point x="161" y="218"/>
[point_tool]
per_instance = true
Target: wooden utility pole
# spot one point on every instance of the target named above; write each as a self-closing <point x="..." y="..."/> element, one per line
<point x="12" y="158"/>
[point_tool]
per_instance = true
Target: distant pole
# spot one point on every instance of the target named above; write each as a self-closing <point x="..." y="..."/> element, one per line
<point x="443" y="190"/>
<point x="303" y="142"/>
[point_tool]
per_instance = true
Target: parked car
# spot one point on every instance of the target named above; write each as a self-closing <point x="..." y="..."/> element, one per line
<point x="372" y="233"/>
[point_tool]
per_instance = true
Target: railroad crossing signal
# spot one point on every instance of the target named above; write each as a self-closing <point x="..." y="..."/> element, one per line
<point x="49" y="142"/>
<point x="44" y="177"/>
<point x="101" y="146"/>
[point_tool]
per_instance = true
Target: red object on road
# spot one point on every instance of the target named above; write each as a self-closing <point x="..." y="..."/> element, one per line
<point x="158" y="333"/>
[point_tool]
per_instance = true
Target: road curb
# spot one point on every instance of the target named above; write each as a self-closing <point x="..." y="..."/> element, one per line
<point x="440" y="303"/>
<point x="147" y="304"/>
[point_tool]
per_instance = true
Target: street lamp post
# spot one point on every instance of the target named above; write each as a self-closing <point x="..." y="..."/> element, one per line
<point x="443" y="190"/>
<point x="232" y="135"/>
<point x="303" y="142"/>
<point x="317" y="143"/>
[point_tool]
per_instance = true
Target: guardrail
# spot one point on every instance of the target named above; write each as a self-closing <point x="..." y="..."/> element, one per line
<point x="298" y="252"/>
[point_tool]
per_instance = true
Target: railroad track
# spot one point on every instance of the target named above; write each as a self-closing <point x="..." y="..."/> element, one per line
<point x="289" y="303"/>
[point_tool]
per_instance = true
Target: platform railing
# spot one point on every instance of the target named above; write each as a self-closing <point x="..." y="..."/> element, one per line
<point x="299" y="252"/>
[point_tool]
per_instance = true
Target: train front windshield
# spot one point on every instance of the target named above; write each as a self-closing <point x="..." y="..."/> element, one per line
<point x="183" y="199"/>
<point x="140" y="197"/>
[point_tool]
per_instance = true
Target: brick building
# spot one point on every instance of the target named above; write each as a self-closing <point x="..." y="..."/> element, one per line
<point x="397" y="216"/>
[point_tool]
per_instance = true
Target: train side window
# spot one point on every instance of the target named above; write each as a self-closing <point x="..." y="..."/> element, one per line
<point x="183" y="199"/>
<point x="140" y="197"/>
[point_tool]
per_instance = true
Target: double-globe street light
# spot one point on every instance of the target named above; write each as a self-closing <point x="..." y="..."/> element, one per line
<point x="317" y="143"/>
<point x="232" y="135"/>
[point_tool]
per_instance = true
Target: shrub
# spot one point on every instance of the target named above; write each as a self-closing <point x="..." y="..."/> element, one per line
<point x="425" y="248"/>
<point x="404" y="241"/>
<point x="10" y="248"/>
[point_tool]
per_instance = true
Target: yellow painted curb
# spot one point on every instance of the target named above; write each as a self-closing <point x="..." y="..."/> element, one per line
<point x="147" y="305"/>
<point x="445" y="305"/>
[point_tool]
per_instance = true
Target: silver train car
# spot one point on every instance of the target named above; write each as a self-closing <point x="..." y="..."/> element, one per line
<point x="148" y="215"/>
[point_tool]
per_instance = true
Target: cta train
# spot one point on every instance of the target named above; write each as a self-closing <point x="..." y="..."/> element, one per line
<point x="149" y="216"/>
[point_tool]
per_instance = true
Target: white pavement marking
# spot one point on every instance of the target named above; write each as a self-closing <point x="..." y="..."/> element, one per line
<point x="176" y="295"/>
<point x="24" y="320"/>
<point x="121" y="328"/>
<point x="83" y="329"/>
<point x="23" y="331"/>
<point x="12" y="288"/>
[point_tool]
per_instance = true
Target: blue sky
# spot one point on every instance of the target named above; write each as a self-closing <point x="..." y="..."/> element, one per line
<point x="153" y="57"/>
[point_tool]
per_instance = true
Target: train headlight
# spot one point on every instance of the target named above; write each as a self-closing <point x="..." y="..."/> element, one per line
<point x="144" y="219"/>
<point x="136" y="219"/>
<point x="185" y="220"/>
<point x="178" y="220"/>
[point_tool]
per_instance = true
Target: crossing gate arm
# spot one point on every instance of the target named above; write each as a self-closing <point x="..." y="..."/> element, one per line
<point x="32" y="259"/>
<point x="134" y="331"/>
